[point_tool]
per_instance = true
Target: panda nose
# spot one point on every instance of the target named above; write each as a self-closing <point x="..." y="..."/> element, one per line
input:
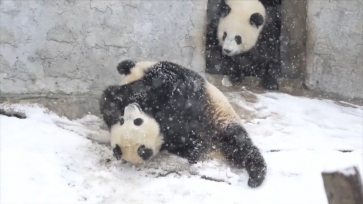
<point x="226" y="51"/>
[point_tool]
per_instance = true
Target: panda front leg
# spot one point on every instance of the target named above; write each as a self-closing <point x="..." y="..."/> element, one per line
<point x="115" y="98"/>
<point x="238" y="149"/>
<point x="196" y="150"/>
<point x="191" y="150"/>
<point x="232" y="69"/>
<point x="269" y="80"/>
<point x="236" y="74"/>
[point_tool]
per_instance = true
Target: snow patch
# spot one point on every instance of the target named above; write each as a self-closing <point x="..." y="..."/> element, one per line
<point x="348" y="171"/>
<point x="226" y="82"/>
<point x="50" y="159"/>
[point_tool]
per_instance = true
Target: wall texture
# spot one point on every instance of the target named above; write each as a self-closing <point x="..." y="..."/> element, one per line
<point x="293" y="38"/>
<point x="73" y="46"/>
<point x="335" y="47"/>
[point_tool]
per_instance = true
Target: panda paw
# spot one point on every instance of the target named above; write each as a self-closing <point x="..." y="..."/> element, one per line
<point x="257" y="172"/>
<point x="192" y="161"/>
<point x="125" y="66"/>
<point x="192" y="157"/>
<point x="117" y="152"/>
<point x="255" y="182"/>
<point x="256" y="168"/>
<point x="236" y="79"/>
<point x="270" y="83"/>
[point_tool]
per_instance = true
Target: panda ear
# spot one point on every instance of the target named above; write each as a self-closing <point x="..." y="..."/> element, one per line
<point x="224" y="9"/>
<point x="124" y="67"/>
<point x="256" y="19"/>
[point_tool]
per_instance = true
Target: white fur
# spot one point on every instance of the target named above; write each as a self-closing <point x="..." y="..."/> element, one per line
<point x="237" y="22"/>
<point x="130" y="137"/>
<point x="223" y="112"/>
<point x="137" y="72"/>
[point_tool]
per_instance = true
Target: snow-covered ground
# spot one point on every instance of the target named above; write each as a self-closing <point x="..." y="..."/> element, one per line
<point x="50" y="159"/>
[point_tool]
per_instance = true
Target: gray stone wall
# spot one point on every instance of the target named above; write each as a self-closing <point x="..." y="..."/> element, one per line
<point x="335" y="47"/>
<point x="73" y="46"/>
<point x="293" y="38"/>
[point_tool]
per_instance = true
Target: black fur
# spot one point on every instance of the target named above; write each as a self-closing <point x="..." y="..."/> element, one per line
<point x="125" y="67"/>
<point x="256" y="19"/>
<point x="117" y="152"/>
<point x="270" y="2"/>
<point x="216" y="11"/>
<point x="176" y="98"/>
<point x="244" y="154"/>
<point x="224" y="9"/>
<point x="263" y="60"/>
<point x="144" y="152"/>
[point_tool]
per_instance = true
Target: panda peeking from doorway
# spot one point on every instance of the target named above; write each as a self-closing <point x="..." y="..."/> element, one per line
<point x="246" y="34"/>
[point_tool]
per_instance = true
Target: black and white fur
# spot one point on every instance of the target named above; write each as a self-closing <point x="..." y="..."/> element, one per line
<point x="239" y="30"/>
<point x="247" y="34"/>
<point x="136" y="137"/>
<point x="194" y="116"/>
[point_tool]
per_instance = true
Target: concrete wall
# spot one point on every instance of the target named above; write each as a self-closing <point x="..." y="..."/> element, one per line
<point x="73" y="46"/>
<point x="50" y="49"/>
<point x="293" y="39"/>
<point x="335" y="47"/>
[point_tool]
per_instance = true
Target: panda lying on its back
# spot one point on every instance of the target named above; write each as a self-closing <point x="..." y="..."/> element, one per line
<point x="194" y="117"/>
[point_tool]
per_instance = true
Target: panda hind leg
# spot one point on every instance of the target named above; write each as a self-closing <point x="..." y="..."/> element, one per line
<point x="238" y="149"/>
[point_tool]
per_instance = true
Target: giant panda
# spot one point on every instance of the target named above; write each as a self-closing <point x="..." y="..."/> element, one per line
<point x="247" y="33"/>
<point x="193" y="116"/>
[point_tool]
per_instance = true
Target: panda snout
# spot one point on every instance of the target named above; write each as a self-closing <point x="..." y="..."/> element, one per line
<point x="117" y="152"/>
<point x="144" y="152"/>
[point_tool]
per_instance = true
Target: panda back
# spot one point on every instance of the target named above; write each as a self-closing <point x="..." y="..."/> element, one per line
<point x="177" y="98"/>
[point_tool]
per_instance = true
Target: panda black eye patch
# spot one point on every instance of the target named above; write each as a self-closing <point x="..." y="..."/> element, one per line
<point x="122" y="121"/>
<point x="138" y="121"/>
<point x="224" y="36"/>
<point x="238" y="39"/>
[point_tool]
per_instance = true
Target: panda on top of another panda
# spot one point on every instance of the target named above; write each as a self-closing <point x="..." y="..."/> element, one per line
<point x="164" y="106"/>
<point x="248" y="34"/>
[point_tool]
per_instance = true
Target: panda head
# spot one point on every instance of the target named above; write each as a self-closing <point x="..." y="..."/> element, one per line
<point x="240" y="29"/>
<point x="136" y="138"/>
